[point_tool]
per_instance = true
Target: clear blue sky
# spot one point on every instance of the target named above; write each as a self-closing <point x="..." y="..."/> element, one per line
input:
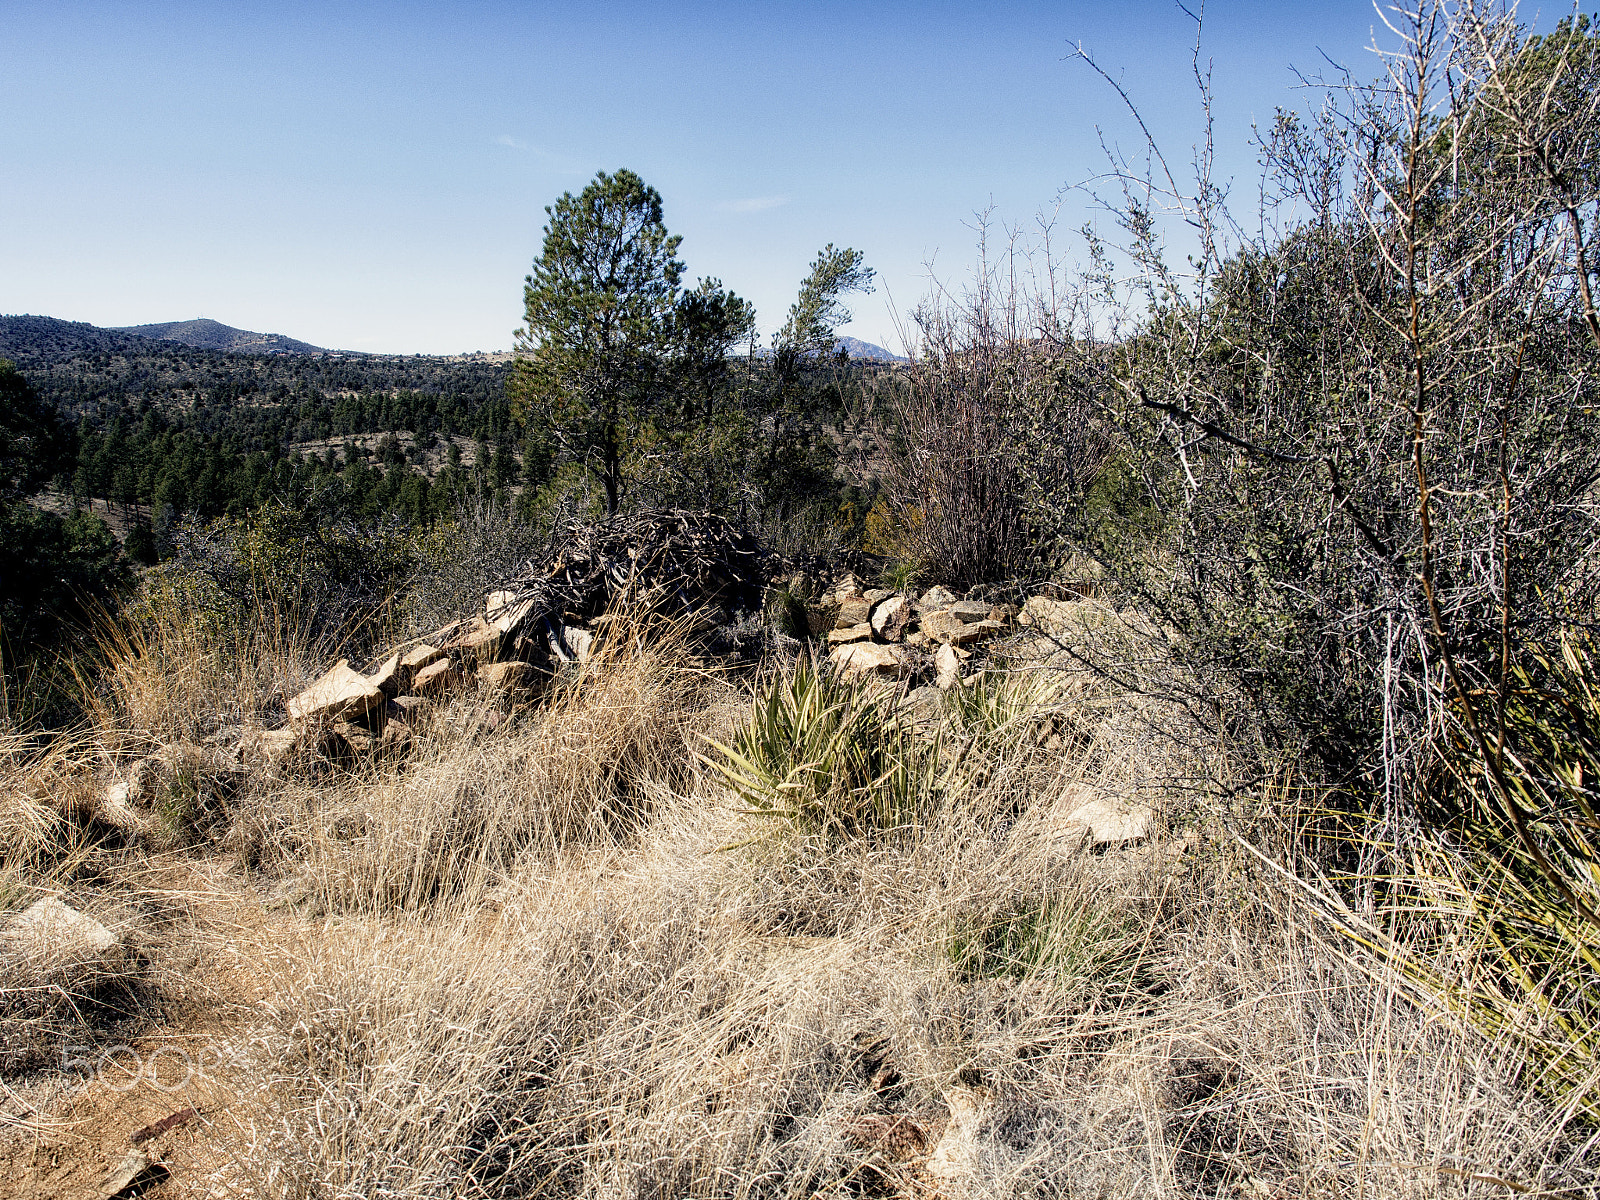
<point x="373" y="176"/>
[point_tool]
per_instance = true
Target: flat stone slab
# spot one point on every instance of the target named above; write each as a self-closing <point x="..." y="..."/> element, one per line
<point x="845" y="637"/>
<point x="342" y="692"/>
<point x="871" y="658"/>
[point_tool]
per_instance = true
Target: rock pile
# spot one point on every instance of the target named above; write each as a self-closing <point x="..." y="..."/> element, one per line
<point x="695" y="567"/>
<point x="893" y="634"/>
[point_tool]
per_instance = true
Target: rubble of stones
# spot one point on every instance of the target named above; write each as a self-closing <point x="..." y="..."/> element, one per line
<point x="905" y="634"/>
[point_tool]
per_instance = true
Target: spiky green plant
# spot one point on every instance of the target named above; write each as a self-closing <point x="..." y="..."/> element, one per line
<point x="1494" y="913"/>
<point x="832" y="756"/>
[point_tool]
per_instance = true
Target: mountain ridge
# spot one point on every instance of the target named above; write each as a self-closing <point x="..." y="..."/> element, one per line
<point x="203" y="333"/>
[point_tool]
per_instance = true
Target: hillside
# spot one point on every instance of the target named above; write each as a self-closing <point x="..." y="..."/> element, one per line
<point x="206" y="334"/>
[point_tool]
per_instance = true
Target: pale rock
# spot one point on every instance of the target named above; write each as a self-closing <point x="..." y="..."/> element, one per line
<point x="971" y="610"/>
<point x="414" y="659"/>
<point x="1102" y="821"/>
<point x="916" y="638"/>
<point x="873" y="595"/>
<point x="342" y="692"/>
<point x="126" y="1172"/>
<point x="852" y="612"/>
<point x="954" y="1158"/>
<point x="845" y="637"/>
<point x="944" y="626"/>
<point x="947" y="667"/>
<point x="58" y="930"/>
<point x="936" y="598"/>
<point x="871" y="658"/>
<point x="506" y="675"/>
<point x="890" y="618"/>
<point x="434" y="678"/>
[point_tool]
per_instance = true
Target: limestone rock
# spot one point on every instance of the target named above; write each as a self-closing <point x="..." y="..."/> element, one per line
<point x="1102" y="821"/>
<point x="947" y="667"/>
<point x="871" y="658"/>
<point x="434" y="678"/>
<point x="944" y="626"/>
<point x="507" y="675"/>
<point x="936" y="598"/>
<point x="414" y="659"/>
<point x="405" y="710"/>
<point x="844" y="637"/>
<point x="342" y="692"/>
<point x="854" y="611"/>
<point x="971" y="610"/>
<point x="56" y="930"/>
<point x="890" y="618"/>
<point x="874" y="595"/>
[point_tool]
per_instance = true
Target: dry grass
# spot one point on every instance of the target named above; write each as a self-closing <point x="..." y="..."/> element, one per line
<point x="542" y="973"/>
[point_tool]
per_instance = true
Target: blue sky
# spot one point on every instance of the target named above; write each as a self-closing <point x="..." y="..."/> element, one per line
<point x="373" y="177"/>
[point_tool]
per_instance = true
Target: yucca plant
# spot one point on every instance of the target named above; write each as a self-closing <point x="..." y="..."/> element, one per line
<point x="832" y="756"/>
<point x="1493" y="913"/>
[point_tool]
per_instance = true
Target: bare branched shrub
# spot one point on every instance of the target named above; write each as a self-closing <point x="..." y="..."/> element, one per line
<point x="994" y="442"/>
<point x="1364" y="430"/>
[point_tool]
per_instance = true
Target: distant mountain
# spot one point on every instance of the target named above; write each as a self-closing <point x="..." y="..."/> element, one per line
<point x="856" y="348"/>
<point x="26" y="339"/>
<point x="206" y="334"/>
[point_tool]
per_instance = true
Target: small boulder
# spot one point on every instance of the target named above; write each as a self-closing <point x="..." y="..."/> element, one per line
<point x="944" y="626"/>
<point x="871" y="658"/>
<point x="936" y="598"/>
<point x="854" y="611"/>
<point x="947" y="667"/>
<point x="342" y="692"/>
<point x="506" y="675"/>
<point x="874" y="595"/>
<point x="1102" y="821"/>
<point x="435" y="678"/>
<point x="971" y="610"/>
<point x="890" y="618"/>
<point x="55" y="930"/>
<point x="845" y="637"/>
<point x="414" y="659"/>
